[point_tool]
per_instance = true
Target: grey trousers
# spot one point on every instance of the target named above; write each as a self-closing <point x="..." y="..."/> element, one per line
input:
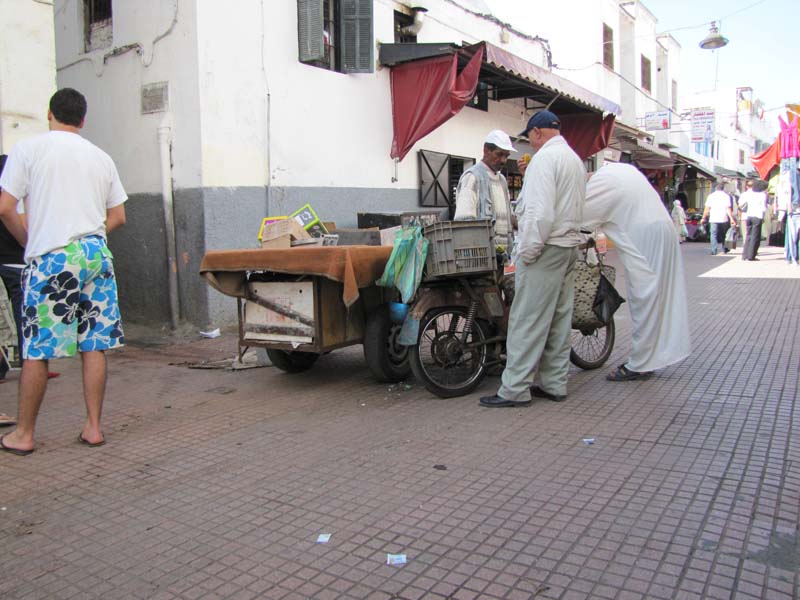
<point x="539" y="325"/>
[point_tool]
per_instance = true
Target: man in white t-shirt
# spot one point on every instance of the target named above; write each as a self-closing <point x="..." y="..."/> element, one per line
<point x="72" y="197"/>
<point x="719" y="214"/>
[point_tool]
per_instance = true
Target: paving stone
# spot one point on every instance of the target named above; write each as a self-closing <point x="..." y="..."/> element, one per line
<point x="215" y="484"/>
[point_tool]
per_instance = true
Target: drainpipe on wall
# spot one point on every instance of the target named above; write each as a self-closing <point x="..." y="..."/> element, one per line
<point x="165" y="151"/>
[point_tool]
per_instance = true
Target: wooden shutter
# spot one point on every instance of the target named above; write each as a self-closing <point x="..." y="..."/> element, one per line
<point x="646" y="82"/>
<point x="434" y="178"/>
<point x="309" y="30"/>
<point x="356" y="36"/>
<point x="608" y="46"/>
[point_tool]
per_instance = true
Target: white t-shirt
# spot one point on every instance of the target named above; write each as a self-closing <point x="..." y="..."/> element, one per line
<point x="756" y="203"/>
<point x="67" y="184"/>
<point x="719" y="203"/>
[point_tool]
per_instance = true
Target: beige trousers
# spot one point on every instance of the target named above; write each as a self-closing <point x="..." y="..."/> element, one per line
<point x="539" y="325"/>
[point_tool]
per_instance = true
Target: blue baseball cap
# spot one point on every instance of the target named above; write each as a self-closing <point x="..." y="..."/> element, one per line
<point x="543" y="119"/>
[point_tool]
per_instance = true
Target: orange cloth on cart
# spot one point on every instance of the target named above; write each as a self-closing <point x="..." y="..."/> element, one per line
<point x="354" y="266"/>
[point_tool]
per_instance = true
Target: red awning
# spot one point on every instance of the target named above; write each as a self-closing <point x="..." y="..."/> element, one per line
<point x="769" y="158"/>
<point x="587" y="134"/>
<point x="427" y="90"/>
<point x="426" y="94"/>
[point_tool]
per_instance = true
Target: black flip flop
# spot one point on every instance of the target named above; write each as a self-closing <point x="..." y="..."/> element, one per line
<point x="623" y="373"/>
<point x="86" y="442"/>
<point x="17" y="451"/>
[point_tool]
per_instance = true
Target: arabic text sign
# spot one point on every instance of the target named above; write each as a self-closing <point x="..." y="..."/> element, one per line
<point x="655" y="121"/>
<point x="702" y="124"/>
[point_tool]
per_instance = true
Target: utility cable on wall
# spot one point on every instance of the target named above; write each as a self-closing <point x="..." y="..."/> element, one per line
<point x="507" y="26"/>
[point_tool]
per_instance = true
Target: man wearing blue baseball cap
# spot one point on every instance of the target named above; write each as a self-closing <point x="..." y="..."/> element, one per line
<point x="549" y="214"/>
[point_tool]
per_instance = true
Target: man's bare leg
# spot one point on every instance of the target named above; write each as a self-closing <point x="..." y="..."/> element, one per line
<point x="94" y="389"/>
<point x="32" y="385"/>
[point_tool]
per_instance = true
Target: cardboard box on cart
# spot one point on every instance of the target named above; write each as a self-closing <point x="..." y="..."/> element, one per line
<point x="279" y="234"/>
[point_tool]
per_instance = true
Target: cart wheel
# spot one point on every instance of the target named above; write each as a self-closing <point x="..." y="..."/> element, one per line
<point x="445" y="360"/>
<point x="386" y="359"/>
<point x="591" y="349"/>
<point x="292" y="362"/>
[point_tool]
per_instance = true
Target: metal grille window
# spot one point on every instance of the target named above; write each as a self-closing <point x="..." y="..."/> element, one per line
<point x="646" y="81"/>
<point x="438" y="178"/>
<point x="608" y="46"/>
<point x="97" y="18"/>
<point x="336" y="34"/>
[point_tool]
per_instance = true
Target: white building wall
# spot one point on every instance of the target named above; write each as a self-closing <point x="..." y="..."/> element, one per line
<point x="325" y="129"/>
<point x="27" y="69"/>
<point x="161" y="35"/>
<point x="644" y="44"/>
<point x="608" y="83"/>
<point x="233" y="88"/>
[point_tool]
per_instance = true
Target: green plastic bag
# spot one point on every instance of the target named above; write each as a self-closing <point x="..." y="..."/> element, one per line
<point x="406" y="263"/>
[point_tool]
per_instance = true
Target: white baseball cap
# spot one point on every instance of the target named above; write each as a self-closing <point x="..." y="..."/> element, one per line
<point x="500" y="139"/>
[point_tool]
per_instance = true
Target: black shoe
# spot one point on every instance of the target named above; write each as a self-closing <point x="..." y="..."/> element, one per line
<point x="499" y="402"/>
<point x="538" y="392"/>
<point x="623" y="373"/>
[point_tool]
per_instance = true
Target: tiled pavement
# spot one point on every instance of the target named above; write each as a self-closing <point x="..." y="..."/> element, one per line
<point x="216" y="484"/>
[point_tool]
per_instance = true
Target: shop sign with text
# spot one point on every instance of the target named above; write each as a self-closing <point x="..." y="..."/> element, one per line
<point x="657" y="121"/>
<point x="702" y="125"/>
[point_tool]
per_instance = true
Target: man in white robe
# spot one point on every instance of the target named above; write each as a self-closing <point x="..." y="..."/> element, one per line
<point x="622" y="203"/>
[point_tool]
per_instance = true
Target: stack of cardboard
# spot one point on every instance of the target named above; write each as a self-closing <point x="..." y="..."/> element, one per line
<point x="281" y="234"/>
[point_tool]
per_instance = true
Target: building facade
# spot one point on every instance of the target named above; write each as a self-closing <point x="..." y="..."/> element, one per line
<point x="27" y="69"/>
<point x="262" y="108"/>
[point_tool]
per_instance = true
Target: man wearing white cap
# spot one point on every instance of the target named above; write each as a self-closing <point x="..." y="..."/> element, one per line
<point x="482" y="191"/>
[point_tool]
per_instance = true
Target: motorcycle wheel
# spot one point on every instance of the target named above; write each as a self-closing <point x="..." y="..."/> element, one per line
<point x="591" y="349"/>
<point x="440" y="361"/>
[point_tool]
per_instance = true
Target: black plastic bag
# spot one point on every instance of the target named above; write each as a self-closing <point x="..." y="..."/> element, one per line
<point x="606" y="301"/>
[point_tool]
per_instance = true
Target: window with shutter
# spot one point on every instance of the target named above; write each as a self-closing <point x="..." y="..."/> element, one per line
<point x="356" y="38"/>
<point x="336" y="34"/>
<point x="309" y="31"/>
<point x="608" y="46"/>
<point x="646" y="82"/>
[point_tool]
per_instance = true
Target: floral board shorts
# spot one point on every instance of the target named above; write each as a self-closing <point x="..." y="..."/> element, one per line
<point x="70" y="301"/>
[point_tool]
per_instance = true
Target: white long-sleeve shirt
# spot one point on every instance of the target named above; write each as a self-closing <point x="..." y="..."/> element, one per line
<point x="550" y="208"/>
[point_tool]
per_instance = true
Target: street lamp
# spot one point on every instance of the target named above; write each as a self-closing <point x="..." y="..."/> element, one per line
<point x="713" y="40"/>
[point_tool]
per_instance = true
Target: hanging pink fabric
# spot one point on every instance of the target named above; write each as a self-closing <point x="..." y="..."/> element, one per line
<point x="790" y="148"/>
<point x="426" y="94"/>
<point x="769" y="158"/>
<point x="587" y="134"/>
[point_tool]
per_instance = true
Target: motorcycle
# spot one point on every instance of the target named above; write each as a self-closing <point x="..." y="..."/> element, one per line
<point x="462" y="328"/>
